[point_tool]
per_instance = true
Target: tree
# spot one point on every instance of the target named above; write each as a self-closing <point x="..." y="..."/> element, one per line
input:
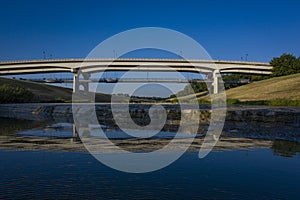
<point x="193" y="87"/>
<point x="286" y="64"/>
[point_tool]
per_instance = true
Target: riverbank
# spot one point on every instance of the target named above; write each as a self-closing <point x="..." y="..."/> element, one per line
<point x="18" y="142"/>
<point x="63" y="112"/>
<point x="256" y="122"/>
<point x="283" y="88"/>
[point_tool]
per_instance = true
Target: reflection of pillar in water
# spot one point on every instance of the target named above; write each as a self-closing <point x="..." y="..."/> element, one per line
<point x="189" y="121"/>
<point x="86" y="132"/>
<point x="296" y="119"/>
<point x="75" y="136"/>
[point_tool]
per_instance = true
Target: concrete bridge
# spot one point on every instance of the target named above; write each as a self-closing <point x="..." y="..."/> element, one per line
<point x="211" y="68"/>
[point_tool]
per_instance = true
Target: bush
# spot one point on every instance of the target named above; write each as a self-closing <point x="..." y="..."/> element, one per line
<point x="233" y="101"/>
<point x="276" y="102"/>
<point x="10" y="94"/>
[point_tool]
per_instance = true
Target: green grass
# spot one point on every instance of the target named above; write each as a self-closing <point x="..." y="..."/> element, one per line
<point x="281" y="102"/>
<point x="40" y="92"/>
<point x="279" y="90"/>
<point x="14" y="94"/>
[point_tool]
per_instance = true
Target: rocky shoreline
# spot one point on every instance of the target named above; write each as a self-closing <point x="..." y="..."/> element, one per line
<point x="44" y="111"/>
<point x="258" y="122"/>
<point x="138" y="145"/>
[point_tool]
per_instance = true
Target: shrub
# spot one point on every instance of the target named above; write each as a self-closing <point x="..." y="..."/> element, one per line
<point x="11" y="94"/>
<point x="233" y="101"/>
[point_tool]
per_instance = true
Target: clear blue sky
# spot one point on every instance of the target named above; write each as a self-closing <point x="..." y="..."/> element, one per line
<point x="226" y="29"/>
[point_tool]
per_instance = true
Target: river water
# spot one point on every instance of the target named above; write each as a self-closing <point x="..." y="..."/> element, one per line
<point x="240" y="174"/>
<point x="41" y="160"/>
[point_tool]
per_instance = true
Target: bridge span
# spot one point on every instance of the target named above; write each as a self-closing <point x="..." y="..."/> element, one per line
<point x="211" y="68"/>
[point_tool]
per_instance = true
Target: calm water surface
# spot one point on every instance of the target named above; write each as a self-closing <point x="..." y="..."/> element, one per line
<point x="262" y="173"/>
<point x="246" y="174"/>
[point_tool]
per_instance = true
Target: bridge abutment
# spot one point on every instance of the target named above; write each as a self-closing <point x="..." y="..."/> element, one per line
<point x="77" y="82"/>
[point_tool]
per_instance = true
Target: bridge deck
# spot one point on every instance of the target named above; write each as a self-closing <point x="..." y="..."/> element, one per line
<point x="137" y="64"/>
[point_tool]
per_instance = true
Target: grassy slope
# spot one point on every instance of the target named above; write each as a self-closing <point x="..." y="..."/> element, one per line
<point x="188" y="97"/>
<point x="42" y="92"/>
<point x="285" y="87"/>
<point x="279" y="88"/>
<point x="48" y="93"/>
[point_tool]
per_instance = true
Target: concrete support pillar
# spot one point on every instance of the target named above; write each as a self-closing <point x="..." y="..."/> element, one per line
<point x="85" y="84"/>
<point x="75" y="82"/>
<point x="75" y="136"/>
<point x="209" y="82"/>
<point x="216" y="75"/>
